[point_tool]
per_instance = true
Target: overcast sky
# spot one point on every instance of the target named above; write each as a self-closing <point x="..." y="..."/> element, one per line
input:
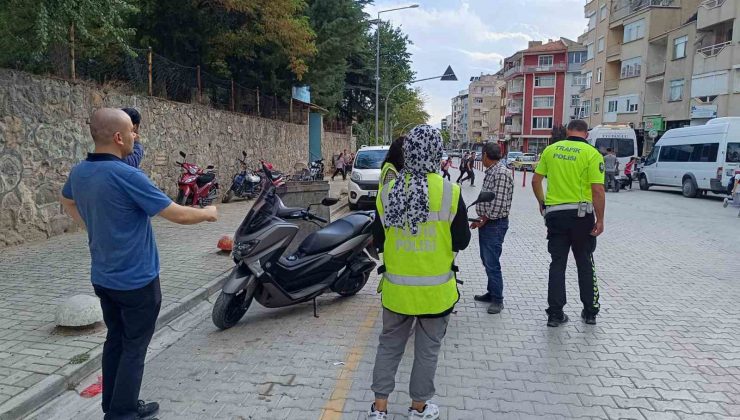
<point x="474" y="36"/>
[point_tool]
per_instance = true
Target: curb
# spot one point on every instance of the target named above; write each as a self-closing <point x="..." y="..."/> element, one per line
<point x="67" y="378"/>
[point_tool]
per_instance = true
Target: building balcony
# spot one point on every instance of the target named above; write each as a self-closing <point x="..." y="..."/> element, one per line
<point x="611" y="85"/>
<point x="512" y="71"/>
<point x="655" y="69"/>
<point x="515" y="89"/>
<point x="652" y="108"/>
<point x="513" y="129"/>
<point x="575" y="67"/>
<point x="614" y="52"/>
<point x="545" y="69"/>
<point x="716" y="57"/>
<point x="712" y="12"/>
<point x="624" y="8"/>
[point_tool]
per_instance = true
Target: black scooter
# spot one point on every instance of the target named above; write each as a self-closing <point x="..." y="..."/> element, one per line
<point x="332" y="258"/>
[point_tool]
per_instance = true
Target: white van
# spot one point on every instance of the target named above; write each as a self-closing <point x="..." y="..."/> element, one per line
<point x="363" y="183"/>
<point x="696" y="159"/>
<point x="619" y="137"/>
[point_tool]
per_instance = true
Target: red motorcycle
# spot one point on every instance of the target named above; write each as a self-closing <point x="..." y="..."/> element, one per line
<point x="196" y="187"/>
<point x="277" y="176"/>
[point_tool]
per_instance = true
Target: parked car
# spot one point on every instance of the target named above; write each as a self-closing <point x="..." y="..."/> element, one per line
<point x="455" y="153"/>
<point x="510" y="157"/>
<point x="363" y="183"/>
<point x="525" y="162"/>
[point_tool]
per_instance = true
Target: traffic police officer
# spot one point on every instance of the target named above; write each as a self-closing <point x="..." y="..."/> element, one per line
<point x="421" y="223"/>
<point x="574" y="215"/>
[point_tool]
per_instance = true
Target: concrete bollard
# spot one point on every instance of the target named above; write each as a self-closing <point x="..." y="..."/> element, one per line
<point x="79" y="311"/>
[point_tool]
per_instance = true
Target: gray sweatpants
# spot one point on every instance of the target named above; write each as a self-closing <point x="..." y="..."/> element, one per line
<point x="428" y="335"/>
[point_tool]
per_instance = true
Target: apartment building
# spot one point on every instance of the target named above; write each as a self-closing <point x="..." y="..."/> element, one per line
<point x="459" y="126"/>
<point x="715" y="84"/>
<point x="537" y="81"/>
<point x="483" y="107"/>
<point x="443" y="125"/>
<point x="639" y="63"/>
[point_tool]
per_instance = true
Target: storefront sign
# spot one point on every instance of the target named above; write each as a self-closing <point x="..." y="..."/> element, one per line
<point x="703" y="111"/>
<point x="654" y="123"/>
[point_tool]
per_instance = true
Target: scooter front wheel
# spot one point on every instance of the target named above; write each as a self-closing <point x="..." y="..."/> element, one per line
<point x="231" y="307"/>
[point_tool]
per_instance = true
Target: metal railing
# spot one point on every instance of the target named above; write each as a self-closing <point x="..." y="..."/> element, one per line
<point x="518" y="88"/>
<point x="711" y="4"/>
<point x="512" y="129"/>
<point x="713" y="50"/>
<point x="545" y="69"/>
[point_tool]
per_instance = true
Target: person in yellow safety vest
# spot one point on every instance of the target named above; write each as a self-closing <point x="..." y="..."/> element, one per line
<point x="392" y="164"/>
<point x="421" y="222"/>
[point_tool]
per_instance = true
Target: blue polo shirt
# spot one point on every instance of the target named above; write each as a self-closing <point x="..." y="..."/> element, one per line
<point x="116" y="202"/>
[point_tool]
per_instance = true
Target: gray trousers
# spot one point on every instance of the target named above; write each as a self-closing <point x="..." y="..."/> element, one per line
<point x="611" y="181"/>
<point x="428" y="335"/>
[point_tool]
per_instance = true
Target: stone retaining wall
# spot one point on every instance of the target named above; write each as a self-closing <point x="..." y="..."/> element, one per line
<point x="44" y="132"/>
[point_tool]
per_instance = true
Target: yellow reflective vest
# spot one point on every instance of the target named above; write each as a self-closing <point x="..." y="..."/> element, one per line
<point x="383" y="172"/>
<point x="418" y="277"/>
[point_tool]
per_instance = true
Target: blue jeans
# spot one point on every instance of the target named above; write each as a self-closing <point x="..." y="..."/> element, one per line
<point x="491" y="239"/>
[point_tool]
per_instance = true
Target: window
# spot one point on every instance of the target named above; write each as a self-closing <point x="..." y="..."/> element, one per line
<point x="710" y="84"/>
<point x="589" y="51"/>
<point x="544" y="61"/>
<point x="705" y="152"/>
<point x="631" y="67"/>
<point x="478" y="100"/>
<point x="612" y="105"/>
<point x="601" y="44"/>
<point x="622" y="146"/>
<point x="591" y="21"/>
<point x="579" y="80"/>
<point x="597" y="105"/>
<point x="576" y="57"/>
<point x="544" y="102"/>
<point x="733" y="153"/>
<point x="575" y="100"/>
<point x="679" y="47"/>
<point x="676" y="92"/>
<point x="602" y="12"/>
<point x="541" y="122"/>
<point x="631" y="105"/>
<point x="544" y="81"/>
<point x="599" y="75"/>
<point x="589" y="76"/>
<point x="634" y="30"/>
<point x="586" y="110"/>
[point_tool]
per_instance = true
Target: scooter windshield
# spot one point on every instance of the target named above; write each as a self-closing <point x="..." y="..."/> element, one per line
<point x="264" y="208"/>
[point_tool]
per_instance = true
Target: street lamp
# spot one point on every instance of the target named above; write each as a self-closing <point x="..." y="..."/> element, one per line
<point x="377" y="62"/>
<point x="448" y="76"/>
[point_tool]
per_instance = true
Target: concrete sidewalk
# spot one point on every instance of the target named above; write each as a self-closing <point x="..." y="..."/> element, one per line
<point x="38" y="360"/>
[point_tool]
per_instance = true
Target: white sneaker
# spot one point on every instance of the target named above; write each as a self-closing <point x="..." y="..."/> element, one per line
<point x="431" y="412"/>
<point x="374" y="414"/>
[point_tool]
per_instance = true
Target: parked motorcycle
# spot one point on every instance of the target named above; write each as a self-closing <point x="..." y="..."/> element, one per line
<point x="277" y="177"/>
<point x="333" y="258"/>
<point x="196" y="187"/>
<point x="245" y="184"/>
<point x="316" y="170"/>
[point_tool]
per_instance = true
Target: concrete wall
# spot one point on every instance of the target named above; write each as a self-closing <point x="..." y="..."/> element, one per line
<point x="44" y="132"/>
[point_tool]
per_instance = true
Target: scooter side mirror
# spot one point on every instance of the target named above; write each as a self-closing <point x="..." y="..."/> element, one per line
<point x="182" y="154"/>
<point x="209" y="167"/>
<point x="244" y="153"/>
<point x="483" y="197"/>
<point x="329" y="201"/>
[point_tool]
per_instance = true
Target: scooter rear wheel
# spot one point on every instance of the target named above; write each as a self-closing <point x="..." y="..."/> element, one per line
<point x="354" y="284"/>
<point x="230" y="308"/>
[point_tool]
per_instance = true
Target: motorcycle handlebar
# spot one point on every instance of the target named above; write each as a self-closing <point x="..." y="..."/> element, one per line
<point x="315" y="217"/>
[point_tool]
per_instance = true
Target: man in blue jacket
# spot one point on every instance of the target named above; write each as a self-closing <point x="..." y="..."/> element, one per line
<point x="137" y="155"/>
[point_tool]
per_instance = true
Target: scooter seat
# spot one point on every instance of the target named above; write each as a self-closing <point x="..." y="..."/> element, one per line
<point x="205" y="178"/>
<point x="334" y="234"/>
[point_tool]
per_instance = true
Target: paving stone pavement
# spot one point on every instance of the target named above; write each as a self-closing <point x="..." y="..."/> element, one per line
<point x="37" y="277"/>
<point x="666" y="344"/>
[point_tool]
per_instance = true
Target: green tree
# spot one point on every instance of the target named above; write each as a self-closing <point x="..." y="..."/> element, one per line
<point x="408" y="113"/>
<point x="31" y="29"/>
<point x="340" y="27"/>
<point x="445" y="137"/>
